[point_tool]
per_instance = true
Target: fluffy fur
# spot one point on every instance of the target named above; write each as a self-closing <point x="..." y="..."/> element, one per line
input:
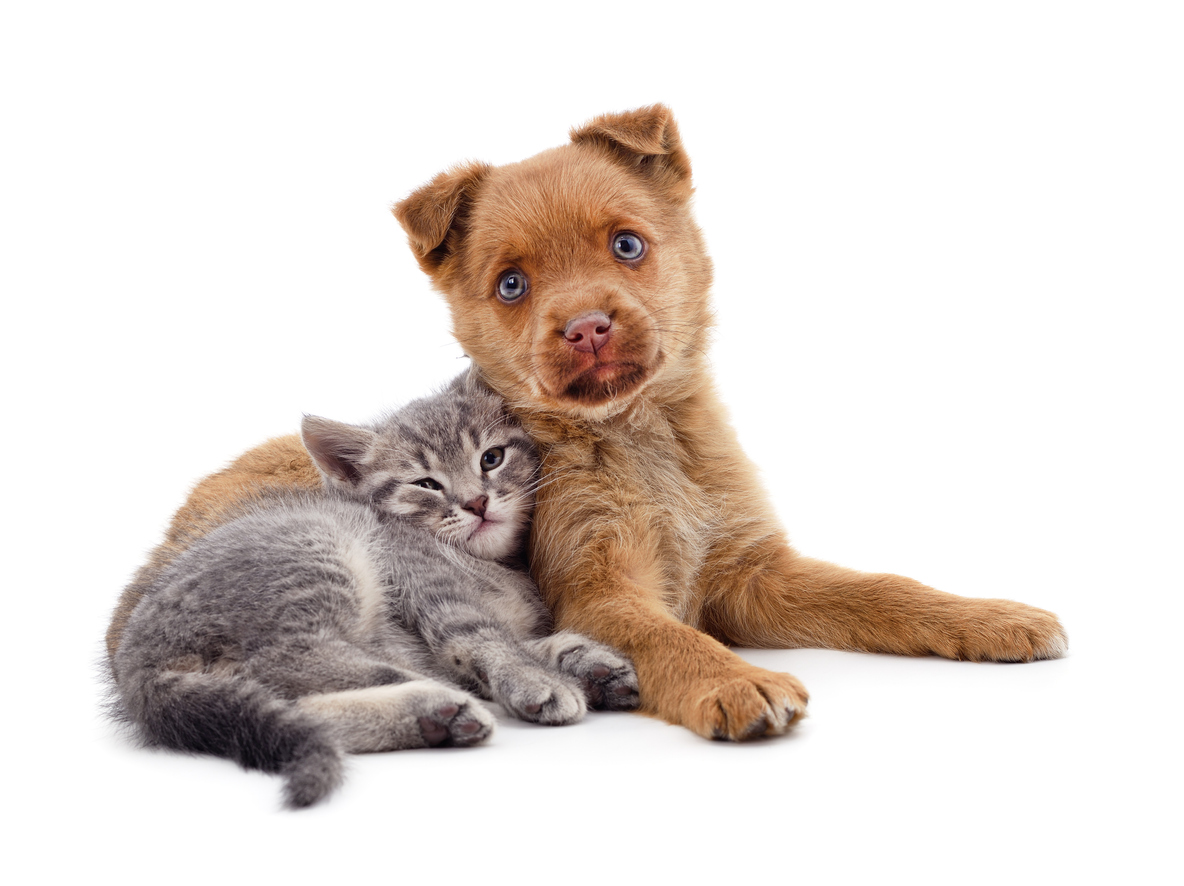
<point x="652" y="532"/>
<point x="677" y="551"/>
<point x="359" y="616"/>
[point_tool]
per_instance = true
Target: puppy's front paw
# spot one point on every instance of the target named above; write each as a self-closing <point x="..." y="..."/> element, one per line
<point x="1001" y="630"/>
<point x="747" y="706"/>
<point x="608" y="678"/>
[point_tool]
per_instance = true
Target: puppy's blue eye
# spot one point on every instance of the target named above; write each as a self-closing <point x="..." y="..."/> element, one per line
<point x="628" y="246"/>
<point x="512" y="285"/>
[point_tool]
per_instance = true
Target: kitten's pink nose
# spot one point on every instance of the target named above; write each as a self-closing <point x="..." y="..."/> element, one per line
<point x="477" y="505"/>
<point x="589" y="332"/>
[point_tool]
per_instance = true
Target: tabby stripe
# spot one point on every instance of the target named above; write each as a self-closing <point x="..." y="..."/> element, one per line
<point x="383" y="492"/>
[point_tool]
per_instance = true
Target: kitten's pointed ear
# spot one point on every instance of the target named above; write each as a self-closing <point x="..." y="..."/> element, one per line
<point x="469" y="382"/>
<point x="339" y="450"/>
<point x="646" y="140"/>
<point x="437" y="210"/>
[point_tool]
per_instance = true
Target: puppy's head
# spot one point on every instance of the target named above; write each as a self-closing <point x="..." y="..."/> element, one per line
<point x="577" y="278"/>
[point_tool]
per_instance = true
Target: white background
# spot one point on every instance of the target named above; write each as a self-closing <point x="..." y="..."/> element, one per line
<point x="948" y="246"/>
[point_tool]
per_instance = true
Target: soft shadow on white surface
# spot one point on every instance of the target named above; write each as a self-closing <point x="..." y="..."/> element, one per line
<point x="948" y="280"/>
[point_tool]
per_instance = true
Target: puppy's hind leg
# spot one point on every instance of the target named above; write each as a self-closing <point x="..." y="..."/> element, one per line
<point x="767" y="595"/>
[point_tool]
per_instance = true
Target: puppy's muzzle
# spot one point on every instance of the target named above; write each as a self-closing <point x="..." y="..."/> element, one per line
<point x="589" y="332"/>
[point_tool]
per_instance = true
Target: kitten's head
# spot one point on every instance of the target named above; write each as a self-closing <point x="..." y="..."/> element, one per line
<point x="456" y="463"/>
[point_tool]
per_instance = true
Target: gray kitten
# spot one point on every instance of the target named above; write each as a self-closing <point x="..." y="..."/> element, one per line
<point x="364" y="616"/>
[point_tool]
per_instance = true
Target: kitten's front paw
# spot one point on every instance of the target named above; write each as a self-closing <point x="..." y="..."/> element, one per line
<point x="453" y="722"/>
<point x="538" y="696"/>
<point x="608" y="678"/>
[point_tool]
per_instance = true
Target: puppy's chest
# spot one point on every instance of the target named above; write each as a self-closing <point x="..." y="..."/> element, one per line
<point x="649" y="473"/>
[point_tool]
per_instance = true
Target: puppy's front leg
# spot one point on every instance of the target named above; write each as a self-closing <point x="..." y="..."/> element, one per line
<point x="684" y="676"/>
<point x="763" y="593"/>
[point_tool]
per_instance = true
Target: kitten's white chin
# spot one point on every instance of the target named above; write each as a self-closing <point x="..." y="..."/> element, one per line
<point x="490" y="540"/>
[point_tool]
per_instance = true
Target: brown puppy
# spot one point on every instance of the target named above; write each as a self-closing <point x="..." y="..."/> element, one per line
<point x="578" y="283"/>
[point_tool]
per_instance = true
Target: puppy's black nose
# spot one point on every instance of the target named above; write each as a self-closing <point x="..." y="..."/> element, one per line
<point x="589" y="332"/>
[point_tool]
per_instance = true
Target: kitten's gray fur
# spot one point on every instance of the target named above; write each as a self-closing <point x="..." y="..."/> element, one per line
<point x="361" y="617"/>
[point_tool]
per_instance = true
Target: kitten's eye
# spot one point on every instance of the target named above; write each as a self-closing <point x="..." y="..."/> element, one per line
<point x="428" y="483"/>
<point x="492" y="458"/>
<point x="512" y="285"/>
<point x="628" y="246"/>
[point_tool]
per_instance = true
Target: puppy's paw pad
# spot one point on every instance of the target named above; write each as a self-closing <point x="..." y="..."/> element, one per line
<point x="749" y="707"/>
<point x="1005" y="631"/>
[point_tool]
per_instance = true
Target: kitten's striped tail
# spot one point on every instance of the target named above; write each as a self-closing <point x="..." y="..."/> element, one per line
<point x="242" y="720"/>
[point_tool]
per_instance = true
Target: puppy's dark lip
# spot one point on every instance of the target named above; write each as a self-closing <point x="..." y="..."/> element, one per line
<point x="602" y="369"/>
<point x="603" y="382"/>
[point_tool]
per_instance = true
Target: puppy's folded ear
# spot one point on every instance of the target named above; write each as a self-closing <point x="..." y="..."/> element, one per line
<point x="438" y="209"/>
<point x="646" y="140"/>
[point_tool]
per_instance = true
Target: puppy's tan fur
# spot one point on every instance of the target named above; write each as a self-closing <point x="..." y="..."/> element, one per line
<point x="282" y="461"/>
<point x="652" y="532"/>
